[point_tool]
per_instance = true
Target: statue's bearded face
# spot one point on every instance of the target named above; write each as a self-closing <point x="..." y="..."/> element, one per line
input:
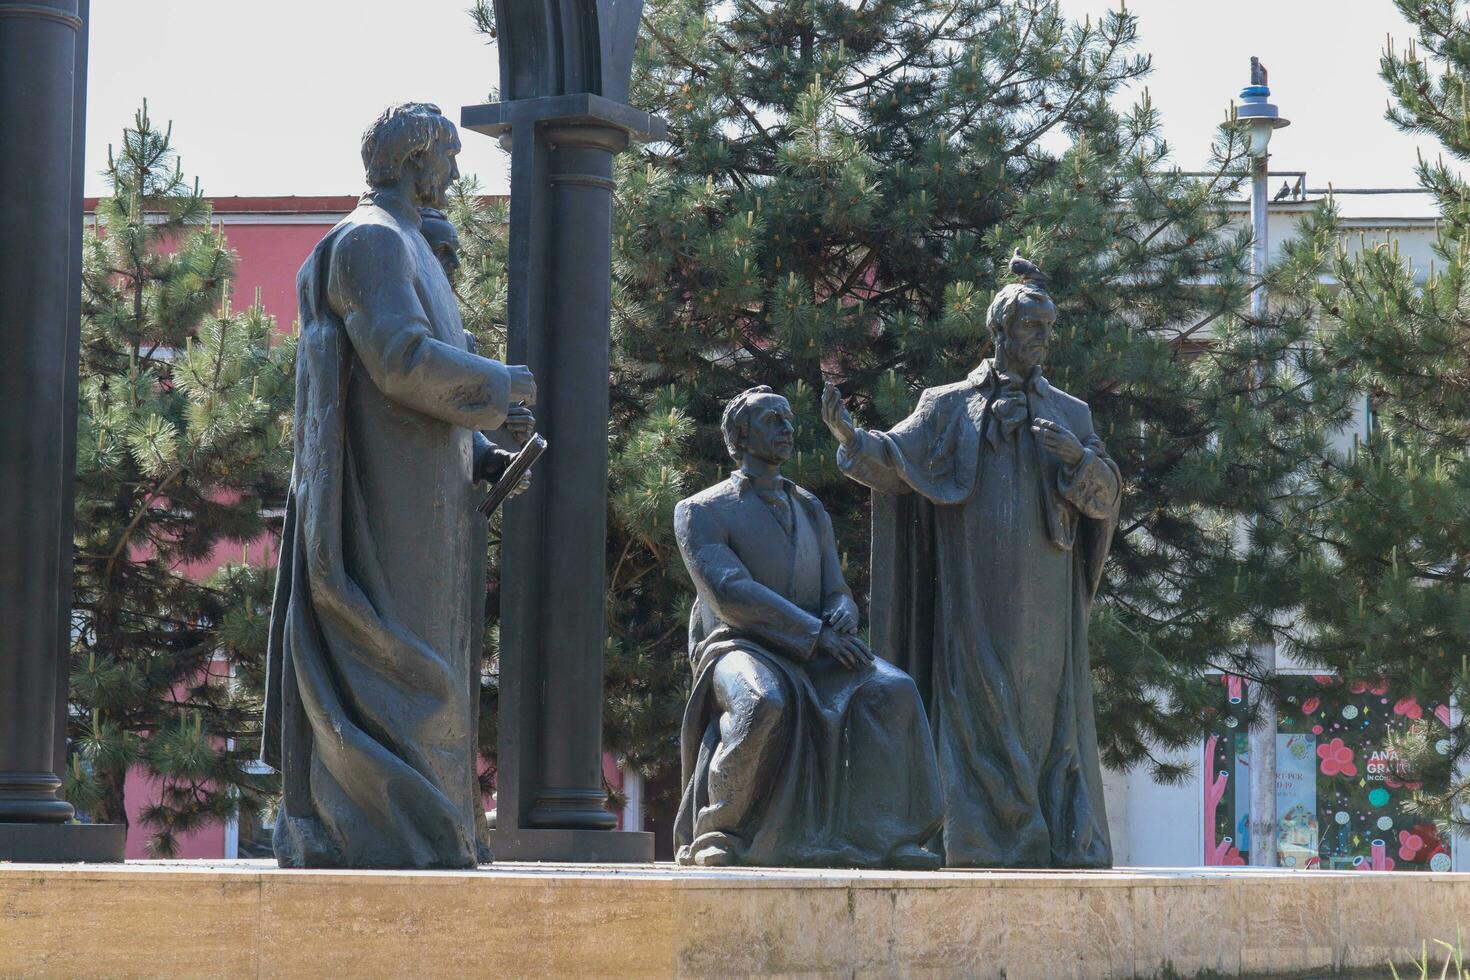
<point x="770" y="429"/>
<point x="1028" y="338"/>
<point x="436" y="170"/>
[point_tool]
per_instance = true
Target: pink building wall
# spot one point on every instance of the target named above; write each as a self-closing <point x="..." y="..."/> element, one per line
<point x="141" y="790"/>
<point x="271" y="238"/>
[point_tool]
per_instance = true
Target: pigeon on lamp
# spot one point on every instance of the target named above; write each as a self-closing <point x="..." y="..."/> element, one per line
<point x="1026" y="270"/>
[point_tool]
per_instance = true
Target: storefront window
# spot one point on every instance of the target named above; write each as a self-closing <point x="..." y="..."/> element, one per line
<point x="1341" y="786"/>
<point x="255" y="835"/>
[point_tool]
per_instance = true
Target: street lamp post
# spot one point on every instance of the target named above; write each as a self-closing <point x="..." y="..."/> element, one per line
<point x="1264" y="119"/>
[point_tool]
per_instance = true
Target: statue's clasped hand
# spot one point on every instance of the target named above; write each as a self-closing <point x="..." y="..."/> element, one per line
<point x="1059" y="441"/>
<point x="842" y="614"/>
<point x="520" y="423"/>
<point x="848" y="650"/>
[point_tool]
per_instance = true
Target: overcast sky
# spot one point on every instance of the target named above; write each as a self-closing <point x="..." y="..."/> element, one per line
<point x="270" y="97"/>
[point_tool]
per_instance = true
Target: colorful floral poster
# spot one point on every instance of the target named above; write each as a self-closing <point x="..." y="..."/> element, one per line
<point x="1296" y="800"/>
<point x="1341" y="786"/>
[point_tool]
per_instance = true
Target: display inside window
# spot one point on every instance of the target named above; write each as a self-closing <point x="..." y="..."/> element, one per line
<point x="1341" y="784"/>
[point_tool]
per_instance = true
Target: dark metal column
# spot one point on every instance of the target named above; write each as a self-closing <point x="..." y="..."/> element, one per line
<point x="40" y="52"/>
<point x="69" y="417"/>
<point x="569" y="793"/>
<point x="564" y="77"/>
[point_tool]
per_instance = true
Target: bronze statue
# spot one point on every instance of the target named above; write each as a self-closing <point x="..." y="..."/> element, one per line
<point x="799" y="747"/>
<point x="371" y="687"/>
<point x="994" y="507"/>
<point x="490" y="460"/>
<point x="443" y="239"/>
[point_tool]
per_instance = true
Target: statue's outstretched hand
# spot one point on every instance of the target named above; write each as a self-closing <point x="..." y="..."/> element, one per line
<point x="835" y="414"/>
<point x="847" y="650"/>
<point x="842" y="615"/>
<point x="1059" y="441"/>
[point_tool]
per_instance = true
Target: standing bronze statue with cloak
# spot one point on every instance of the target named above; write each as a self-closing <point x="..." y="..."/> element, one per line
<point x="372" y="682"/>
<point x="994" y="505"/>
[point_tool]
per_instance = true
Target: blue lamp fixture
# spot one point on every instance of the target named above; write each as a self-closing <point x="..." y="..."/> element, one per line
<point x="1263" y="116"/>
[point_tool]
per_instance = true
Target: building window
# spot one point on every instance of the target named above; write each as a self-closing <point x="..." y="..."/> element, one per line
<point x="1341" y="785"/>
<point x="254" y="840"/>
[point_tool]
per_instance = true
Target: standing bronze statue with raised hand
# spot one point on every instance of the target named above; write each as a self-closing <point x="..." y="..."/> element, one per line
<point x="799" y="747"/>
<point x="994" y="506"/>
<point x="372" y="674"/>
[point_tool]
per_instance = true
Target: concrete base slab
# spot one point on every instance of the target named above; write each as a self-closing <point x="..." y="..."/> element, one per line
<point x="62" y="842"/>
<point x="250" y="919"/>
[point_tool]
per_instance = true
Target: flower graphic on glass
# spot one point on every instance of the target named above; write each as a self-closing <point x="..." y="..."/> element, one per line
<point x="1343" y="788"/>
<point x="1337" y="759"/>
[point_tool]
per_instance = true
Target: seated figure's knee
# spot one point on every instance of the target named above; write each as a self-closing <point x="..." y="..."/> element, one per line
<point x="891" y="691"/>
<point x="768" y="712"/>
<point x="751" y="695"/>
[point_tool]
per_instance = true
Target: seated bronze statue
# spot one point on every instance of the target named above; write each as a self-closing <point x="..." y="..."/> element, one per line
<point x="800" y="748"/>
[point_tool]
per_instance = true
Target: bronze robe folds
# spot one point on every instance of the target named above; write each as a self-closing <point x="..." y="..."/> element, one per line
<point x="986" y="556"/>
<point x="372" y="690"/>
<point x="816" y="765"/>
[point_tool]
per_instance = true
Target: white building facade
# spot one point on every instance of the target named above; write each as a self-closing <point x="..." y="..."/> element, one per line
<point x="1339" y="800"/>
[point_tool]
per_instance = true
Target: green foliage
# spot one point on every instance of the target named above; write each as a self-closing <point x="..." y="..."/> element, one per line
<point x="183" y="448"/>
<point x="1383" y="529"/>
<point x="1452" y="967"/>
<point x="840" y="192"/>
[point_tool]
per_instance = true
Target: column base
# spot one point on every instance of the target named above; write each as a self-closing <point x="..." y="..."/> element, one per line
<point x="571" y="809"/>
<point x="32" y="797"/>
<point x="573" y="846"/>
<point x="54" y="843"/>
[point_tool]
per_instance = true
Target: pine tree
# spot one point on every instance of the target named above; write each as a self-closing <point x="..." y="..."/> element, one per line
<point x="183" y="449"/>
<point x="840" y="193"/>
<point x="1383" y="530"/>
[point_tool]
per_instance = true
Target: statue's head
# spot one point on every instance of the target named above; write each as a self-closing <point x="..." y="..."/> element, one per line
<point x="759" y="423"/>
<point x="1021" y="319"/>
<point x="443" y="239"/>
<point x="412" y="147"/>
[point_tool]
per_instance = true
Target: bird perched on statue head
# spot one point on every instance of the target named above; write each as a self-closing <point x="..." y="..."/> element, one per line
<point x="1026" y="270"/>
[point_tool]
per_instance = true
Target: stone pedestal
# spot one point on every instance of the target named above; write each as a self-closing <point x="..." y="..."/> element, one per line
<point x="250" y="919"/>
<point x="571" y="846"/>
<point x="62" y="842"/>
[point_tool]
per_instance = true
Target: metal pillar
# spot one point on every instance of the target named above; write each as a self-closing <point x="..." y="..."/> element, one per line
<point x="1262" y="735"/>
<point x="564" y="79"/>
<point x="1264" y="119"/>
<point x="42" y="49"/>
